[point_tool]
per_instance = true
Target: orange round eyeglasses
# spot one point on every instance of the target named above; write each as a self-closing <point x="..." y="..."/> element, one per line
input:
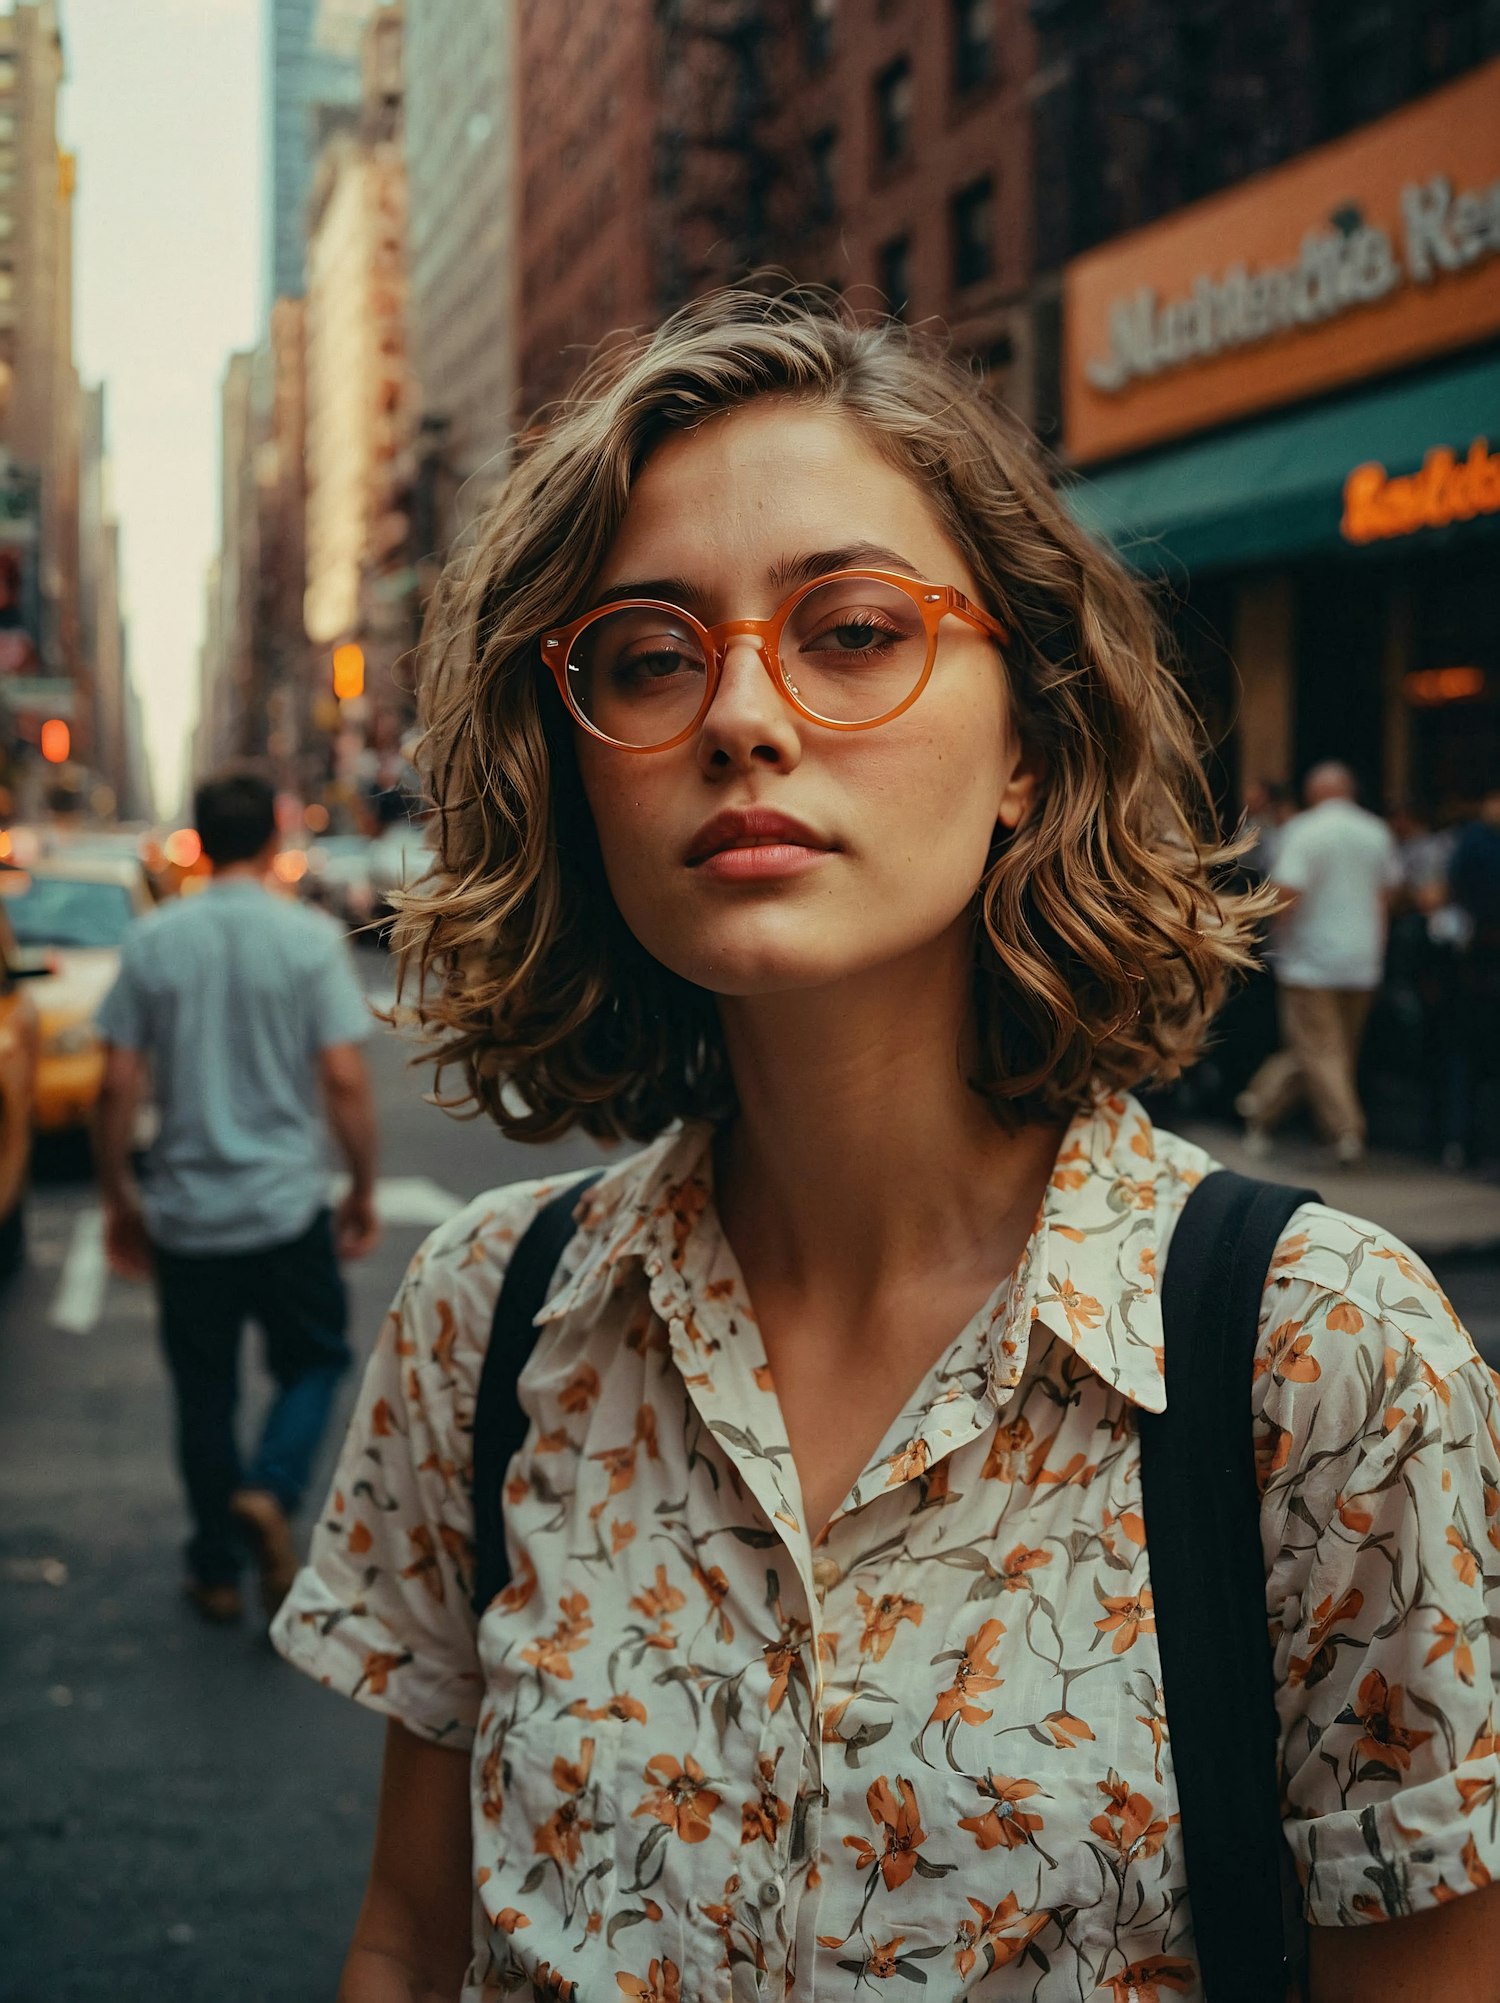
<point x="848" y="651"/>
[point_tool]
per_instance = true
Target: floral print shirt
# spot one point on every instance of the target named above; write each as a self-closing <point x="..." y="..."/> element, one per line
<point x="712" y="1759"/>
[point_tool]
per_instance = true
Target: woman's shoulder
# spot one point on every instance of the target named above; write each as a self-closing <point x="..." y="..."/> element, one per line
<point x="1360" y="1351"/>
<point x="446" y="1301"/>
<point x="1359" y="1276"/>
<point x="1347" y="1305"/>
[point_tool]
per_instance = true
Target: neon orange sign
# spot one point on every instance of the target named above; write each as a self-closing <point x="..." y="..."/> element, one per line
<point x="1447" y="489"/>
<point x="1430" y="687"/>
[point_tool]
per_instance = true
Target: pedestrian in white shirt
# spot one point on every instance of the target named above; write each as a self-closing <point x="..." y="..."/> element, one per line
<point x="1336" y="867"/>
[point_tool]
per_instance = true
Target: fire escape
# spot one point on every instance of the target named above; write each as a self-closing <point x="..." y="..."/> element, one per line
<point x="716" y="165"/>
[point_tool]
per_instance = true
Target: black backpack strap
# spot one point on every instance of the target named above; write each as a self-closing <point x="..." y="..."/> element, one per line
<point x="1208" y="1581"/>
<point x="499" y="1422"/>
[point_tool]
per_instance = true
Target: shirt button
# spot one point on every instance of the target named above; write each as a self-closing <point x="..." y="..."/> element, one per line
<point x="826" y="1573"/>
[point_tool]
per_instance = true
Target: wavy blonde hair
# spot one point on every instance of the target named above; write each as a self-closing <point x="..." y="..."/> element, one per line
<point x="1104" y="930"/>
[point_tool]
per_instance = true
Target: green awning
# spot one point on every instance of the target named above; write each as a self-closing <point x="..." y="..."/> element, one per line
<point x="1275" y="489"/>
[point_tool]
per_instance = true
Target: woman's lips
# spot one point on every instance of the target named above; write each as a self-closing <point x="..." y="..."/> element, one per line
<point x="746" y="844"/>
<point x="760" y="862"/>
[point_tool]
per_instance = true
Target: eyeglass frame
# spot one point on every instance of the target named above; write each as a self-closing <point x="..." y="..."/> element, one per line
<point x="934" y="601"/>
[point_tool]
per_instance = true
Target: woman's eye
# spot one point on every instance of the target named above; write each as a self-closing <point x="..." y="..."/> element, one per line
<point x="853" y="636"/>
<point x="655" y="665"/>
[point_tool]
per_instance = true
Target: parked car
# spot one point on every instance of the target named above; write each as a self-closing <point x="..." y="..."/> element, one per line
<point x="399" y="858"/>
<point x="76" y="911"/>
<point x="338" y="877"/>
<point x="19" y="1041"/>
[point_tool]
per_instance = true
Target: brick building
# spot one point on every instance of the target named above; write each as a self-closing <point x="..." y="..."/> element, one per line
<point x="878" y="146"/>
<point x="904" y="165"/>
<point x="588" y="88"/>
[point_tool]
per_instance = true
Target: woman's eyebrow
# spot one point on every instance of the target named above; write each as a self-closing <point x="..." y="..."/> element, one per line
<point x="675" y="591"/>
<point x="785" y="574"/>
<point x="790" y="571"/>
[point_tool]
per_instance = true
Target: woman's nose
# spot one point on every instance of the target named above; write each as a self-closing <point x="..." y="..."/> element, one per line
<point x="748" y="722"/>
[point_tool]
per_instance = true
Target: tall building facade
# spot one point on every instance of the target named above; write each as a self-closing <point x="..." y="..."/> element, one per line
<point x="460" y="143"/>
<point x="101" y="627"/>
<point x="361" y="415"/>
<point x="229" y="711"/>
<point x="880" y="147"/>
<point x="1268" y="307"/>
<point x="590" y="111"/>
<point x="900" y="165"/>
<point x="312" y="75"/>
<point x="40" y="412"/>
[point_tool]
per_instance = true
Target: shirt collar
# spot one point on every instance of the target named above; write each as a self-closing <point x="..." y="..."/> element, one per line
<point x="1087" y="1276"/>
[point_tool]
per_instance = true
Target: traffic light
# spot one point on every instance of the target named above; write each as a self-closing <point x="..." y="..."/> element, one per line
<point x="348" y="670"/>
<point x="57" y="741"/>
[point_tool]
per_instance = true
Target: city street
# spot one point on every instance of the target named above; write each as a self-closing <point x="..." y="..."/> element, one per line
<point x="182" y="1817"/>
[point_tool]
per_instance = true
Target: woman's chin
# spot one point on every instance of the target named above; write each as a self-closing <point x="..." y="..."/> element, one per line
<point x="746" y="967"/>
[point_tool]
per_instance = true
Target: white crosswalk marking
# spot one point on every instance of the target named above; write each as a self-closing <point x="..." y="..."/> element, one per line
<point x="79" y="1299"/>
<point x="413" y="1199"/>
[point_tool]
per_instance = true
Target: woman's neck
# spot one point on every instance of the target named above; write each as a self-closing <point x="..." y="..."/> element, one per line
<point x="861" y="1155"/>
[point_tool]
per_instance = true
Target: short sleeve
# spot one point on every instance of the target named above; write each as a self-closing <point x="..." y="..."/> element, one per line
<point x="381" y="1611"/>
<point x="341" y="1013"/>
<point x="1290" y="867"/>
<point x="1379" y="1435"/>
<point x="123" y="1016"/>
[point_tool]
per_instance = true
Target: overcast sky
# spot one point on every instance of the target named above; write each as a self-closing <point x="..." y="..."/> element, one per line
<point x="163" y="106"/>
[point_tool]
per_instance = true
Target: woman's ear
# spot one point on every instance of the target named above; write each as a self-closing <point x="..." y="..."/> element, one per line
<point x="1019" y="793"/>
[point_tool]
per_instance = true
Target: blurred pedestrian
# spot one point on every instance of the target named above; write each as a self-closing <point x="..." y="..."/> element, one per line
<point x="1336" y="867"/>
<point x="242" y="1007"/>
<point x="1473" y="887"/>
<point x="1269" y="805"/>
<point x="1423" y="853"/>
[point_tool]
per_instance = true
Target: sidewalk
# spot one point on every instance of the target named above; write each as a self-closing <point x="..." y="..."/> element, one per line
<point x="1438" y="1214"/>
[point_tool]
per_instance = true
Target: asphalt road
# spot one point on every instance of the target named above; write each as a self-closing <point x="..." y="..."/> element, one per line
<point x="182" y="1818"/>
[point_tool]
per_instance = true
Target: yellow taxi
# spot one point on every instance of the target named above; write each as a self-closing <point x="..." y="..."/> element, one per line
<point x="70" y="913"/>
<point x="18" y="1066"/>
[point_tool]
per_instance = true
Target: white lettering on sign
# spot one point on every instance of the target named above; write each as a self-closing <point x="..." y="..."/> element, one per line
<point x="1348" y="264"/>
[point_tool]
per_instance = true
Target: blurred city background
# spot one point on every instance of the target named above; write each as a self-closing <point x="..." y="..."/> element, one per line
<point x="281" y="281"/>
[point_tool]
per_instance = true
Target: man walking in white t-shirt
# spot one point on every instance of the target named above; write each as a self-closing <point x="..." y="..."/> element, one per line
<point x="1335" y="868"/>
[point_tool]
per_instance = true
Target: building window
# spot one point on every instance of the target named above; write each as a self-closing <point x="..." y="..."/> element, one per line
<point x="819" y="32"/>
<point x="997" y="356"/>
<point x="893" y="98"/>
<point x="670" y="147"/>
<point x="973" y="44"/>
<point x="823" y="151"/>
<point x="894" y="260"/>
<point x="972" y="215"/>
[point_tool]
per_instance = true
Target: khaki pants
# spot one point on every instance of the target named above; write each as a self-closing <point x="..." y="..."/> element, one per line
<point x="1321" y="1031"/>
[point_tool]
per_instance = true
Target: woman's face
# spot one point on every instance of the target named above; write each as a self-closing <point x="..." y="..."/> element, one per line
<point x="896" y="822"/>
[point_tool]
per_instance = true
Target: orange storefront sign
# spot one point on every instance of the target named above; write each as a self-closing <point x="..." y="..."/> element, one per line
<point x="1364" y="255"/>
<point x="1446" y="490"/>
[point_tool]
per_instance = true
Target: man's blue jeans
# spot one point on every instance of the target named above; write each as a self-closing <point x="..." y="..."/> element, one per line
<point x="296" y="1293"/>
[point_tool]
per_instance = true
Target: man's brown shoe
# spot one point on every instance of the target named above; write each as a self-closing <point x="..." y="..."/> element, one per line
<point x="221" y="1605"/>
<point x="265" y="1523"/>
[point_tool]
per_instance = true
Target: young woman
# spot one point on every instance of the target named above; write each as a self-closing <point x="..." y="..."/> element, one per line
<point x="816" y="810"/>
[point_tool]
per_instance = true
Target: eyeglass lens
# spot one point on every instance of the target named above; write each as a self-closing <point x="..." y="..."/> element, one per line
<point x="851" y="651"/>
